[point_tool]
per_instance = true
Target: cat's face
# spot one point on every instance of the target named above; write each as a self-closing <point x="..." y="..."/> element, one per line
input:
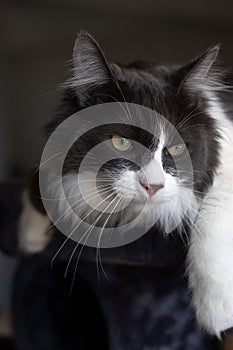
<point x="165" y="170"/>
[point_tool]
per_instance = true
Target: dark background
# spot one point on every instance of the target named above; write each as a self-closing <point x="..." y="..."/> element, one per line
<point x="36" y="43"/>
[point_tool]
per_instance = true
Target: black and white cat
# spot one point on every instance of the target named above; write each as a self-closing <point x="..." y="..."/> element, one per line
<point x="187" y="96"/>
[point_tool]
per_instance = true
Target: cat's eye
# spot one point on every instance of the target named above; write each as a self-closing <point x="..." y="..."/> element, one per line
<point x="121" y="143"/>
<point x="177" y="149"/>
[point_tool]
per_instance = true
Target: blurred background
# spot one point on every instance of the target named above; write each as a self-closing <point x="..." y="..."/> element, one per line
<point x="36" y="43"/>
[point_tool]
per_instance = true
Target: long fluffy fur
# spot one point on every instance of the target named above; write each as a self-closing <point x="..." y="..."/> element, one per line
<point x="210" y="258"/>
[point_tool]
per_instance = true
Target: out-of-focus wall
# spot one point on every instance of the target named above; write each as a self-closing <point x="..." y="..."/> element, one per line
<point x="38" y="39"/>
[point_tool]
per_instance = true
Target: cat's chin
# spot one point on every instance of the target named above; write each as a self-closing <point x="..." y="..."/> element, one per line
<point x="149" y="202"/>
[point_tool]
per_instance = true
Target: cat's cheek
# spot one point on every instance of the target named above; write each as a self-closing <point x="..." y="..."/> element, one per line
<point x="171" y="189"/>
<point x="128" y="187"/>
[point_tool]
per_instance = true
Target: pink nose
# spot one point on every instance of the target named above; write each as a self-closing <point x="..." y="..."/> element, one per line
<point x="151" y="189"/>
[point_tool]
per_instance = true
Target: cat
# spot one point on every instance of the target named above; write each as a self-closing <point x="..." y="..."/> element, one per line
<point x="187" y="96"/>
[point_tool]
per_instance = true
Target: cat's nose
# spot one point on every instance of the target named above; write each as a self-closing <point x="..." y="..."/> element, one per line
<point x="151" y="189"/>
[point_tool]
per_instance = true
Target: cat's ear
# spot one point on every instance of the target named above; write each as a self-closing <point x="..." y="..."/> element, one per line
<point x="199" y="73"/>
<point x="90" y="67"/>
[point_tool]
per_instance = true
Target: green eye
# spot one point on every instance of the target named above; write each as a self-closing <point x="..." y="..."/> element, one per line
<point x="121" y="143"/>
<point x="177" y="149"/>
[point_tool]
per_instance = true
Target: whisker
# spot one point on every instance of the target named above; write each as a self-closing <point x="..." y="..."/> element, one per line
<point x="127" y="112"/>
<point x="69" y="197"/>
<point x="46" y="161"/>
<point x="79" y="255"/>
<point x="101" y="232"/>
<point x="92" y="226"/>
<point x="189" y="116"/>
<point x="89" y="196"/>
<point x="75" y="228"/>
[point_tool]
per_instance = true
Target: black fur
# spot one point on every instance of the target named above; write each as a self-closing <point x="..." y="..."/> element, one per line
<point x="147" y="306"/>
<point x="165" y="89"/>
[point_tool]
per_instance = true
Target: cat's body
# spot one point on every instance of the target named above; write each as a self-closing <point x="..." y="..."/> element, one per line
<point x="210" y="254"/>
<point x="196" y="199"/>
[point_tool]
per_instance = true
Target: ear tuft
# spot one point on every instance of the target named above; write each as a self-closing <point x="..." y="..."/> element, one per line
<point x="201" y="74"/>
<point x="89" y="63"/>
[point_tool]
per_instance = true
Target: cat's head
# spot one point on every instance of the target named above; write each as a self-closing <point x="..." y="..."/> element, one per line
<point x="179" y="153"/>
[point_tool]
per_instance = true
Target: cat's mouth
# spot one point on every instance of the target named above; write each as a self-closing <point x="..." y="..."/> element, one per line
<point x="149" y="201"/>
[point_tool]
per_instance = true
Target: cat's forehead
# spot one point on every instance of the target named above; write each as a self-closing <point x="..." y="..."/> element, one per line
<point x="152" y="78"/>
<point x="151" y="86"/>
<point x="157" y="87"/>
